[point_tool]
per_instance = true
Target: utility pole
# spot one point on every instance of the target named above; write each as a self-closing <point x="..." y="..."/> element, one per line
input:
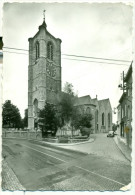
<point x="123" y="81"/>
<point x="122" y="86"/>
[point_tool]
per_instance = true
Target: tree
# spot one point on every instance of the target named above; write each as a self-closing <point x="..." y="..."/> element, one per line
<point x="48" y="117"/>
<point x="68" y="88"/>
<point x="82" y="122"/>
<point x="11" y="115"/>
<point x="25" y="119"/>
<point x="66" y="103"/>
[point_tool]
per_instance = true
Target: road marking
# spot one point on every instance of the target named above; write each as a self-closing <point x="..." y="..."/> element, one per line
<point x="77" y="166"/>
<point x="100" y="175"/>
<point x="44" y="153"/>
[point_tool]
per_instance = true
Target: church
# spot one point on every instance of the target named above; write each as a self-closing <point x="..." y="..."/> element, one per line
<point x="44" y="82"/>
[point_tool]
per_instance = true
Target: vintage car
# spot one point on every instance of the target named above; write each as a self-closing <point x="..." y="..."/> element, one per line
<point x="110" y="134"/>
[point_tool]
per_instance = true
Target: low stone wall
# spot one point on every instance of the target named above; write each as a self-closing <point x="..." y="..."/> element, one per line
<point x="62" y="132"/>
<point x="22" y="134"/>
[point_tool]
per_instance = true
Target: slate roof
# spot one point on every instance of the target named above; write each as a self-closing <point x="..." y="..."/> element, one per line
<point x="103" y="102"/>
<point x="129" y="73"/>
<point x="94" y="101"/>
<point x="83" y="100"/>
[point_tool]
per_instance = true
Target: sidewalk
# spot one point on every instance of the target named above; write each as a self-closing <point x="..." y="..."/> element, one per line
<point x="126" y="151"/>
<point x="9" y="179"/>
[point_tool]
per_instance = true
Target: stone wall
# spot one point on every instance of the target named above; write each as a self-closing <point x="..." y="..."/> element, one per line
<point x="22" y="134"/>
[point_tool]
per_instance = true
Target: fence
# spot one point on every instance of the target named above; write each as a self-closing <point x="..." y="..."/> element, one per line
<point x="22" y="134"/>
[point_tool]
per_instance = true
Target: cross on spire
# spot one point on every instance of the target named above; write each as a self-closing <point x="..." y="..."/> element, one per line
<point x="44" y="15"/>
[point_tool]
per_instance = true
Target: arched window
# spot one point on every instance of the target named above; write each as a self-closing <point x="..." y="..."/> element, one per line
<point x="37" y="50"/>
<point x="103" y="119"/>
<point x="87" y="110"/>
<point x="35" y="104"/>
<point x="50" y="50"/>
<point x="109" y="119"/>
<point x="97" y="115"/>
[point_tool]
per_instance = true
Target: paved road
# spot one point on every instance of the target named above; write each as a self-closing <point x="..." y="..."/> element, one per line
<point x="41" y="167"/>
<point x="102" y="146"/>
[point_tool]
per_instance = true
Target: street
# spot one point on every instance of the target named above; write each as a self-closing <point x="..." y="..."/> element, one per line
<point x="39" y="166"/>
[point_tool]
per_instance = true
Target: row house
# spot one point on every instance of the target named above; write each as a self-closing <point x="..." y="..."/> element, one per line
<point x="125" y="109"/>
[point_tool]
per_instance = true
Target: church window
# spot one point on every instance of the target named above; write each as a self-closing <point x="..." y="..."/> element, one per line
<point x="88" y="110"/>
<point x="103" y="119"/>
<point x="109" y="119"/>
<point x="50" y="51"/>
<point x="37" y="50"/>
<point x="97" y="116"/>
<point x="35" y="104"/>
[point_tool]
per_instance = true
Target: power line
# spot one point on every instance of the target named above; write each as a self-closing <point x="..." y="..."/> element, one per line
<point x="15" y="52"/>
<point x="16" y="48"/>
<point x="96" y="61"/>
<point x="78" y="59"/>
<point x="76" y="55"/>
<point x="96" y="58"/>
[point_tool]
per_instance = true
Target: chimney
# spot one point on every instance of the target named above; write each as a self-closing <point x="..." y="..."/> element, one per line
<point x="96" y="96"/>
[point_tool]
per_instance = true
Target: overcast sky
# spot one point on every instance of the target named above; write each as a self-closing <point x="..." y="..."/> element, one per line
<point x="101" y="30"/>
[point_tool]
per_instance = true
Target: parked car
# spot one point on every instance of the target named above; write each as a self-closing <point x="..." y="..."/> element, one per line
<point x="110" y="134"/>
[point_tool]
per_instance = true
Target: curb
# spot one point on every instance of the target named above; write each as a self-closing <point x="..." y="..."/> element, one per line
<point x="71" y="144"/>
<point x="59" y="147"/>
<point x="116" y="142"/>
<point x="43" y="143"/>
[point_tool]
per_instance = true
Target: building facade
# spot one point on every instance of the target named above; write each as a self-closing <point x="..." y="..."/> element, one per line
<point x="44" y="74"/>
<point x="118" y="119"/>
<point x="100" y="110"/>
<point x="126" y="108"/>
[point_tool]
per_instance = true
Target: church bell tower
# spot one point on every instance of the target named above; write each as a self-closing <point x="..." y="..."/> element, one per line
<point x="44" y="72"/>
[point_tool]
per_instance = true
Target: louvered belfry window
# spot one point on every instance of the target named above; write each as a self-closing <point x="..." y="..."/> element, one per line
<point x="50" y="51"/>
<point x="37" y="50"/>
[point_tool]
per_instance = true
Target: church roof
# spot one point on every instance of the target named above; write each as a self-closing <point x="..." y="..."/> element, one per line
<point x="103" y="102"/>
<point x="83" y="100"/>
<point x="94" y="101"/>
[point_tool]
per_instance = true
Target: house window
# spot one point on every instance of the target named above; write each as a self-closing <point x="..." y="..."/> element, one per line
<point x="50" y="51"/>
<point x="103" y="119"/>
<point x="37" y="50"/>
<point x="125" y="110"/>
<point x="122" y="113"/>
<point x="128" y="92"/>
<point x="128" y="112"/>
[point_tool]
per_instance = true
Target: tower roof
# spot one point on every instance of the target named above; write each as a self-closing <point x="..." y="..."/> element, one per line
<point x="44" y="25"/>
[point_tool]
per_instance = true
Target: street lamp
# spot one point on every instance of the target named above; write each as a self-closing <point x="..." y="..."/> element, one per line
<point x="114" y="110"/>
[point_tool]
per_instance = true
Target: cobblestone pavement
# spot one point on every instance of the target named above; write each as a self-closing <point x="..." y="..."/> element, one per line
<point x="9" y="179"/>
<point x="102" y="146"/>
<point x="39" y="167"/>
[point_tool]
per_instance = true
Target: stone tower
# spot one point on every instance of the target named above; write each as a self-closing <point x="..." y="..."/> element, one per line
<point x="44" y="74"/>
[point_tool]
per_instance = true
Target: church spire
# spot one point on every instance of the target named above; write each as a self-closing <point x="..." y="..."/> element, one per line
<point x="43" y="24"/>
